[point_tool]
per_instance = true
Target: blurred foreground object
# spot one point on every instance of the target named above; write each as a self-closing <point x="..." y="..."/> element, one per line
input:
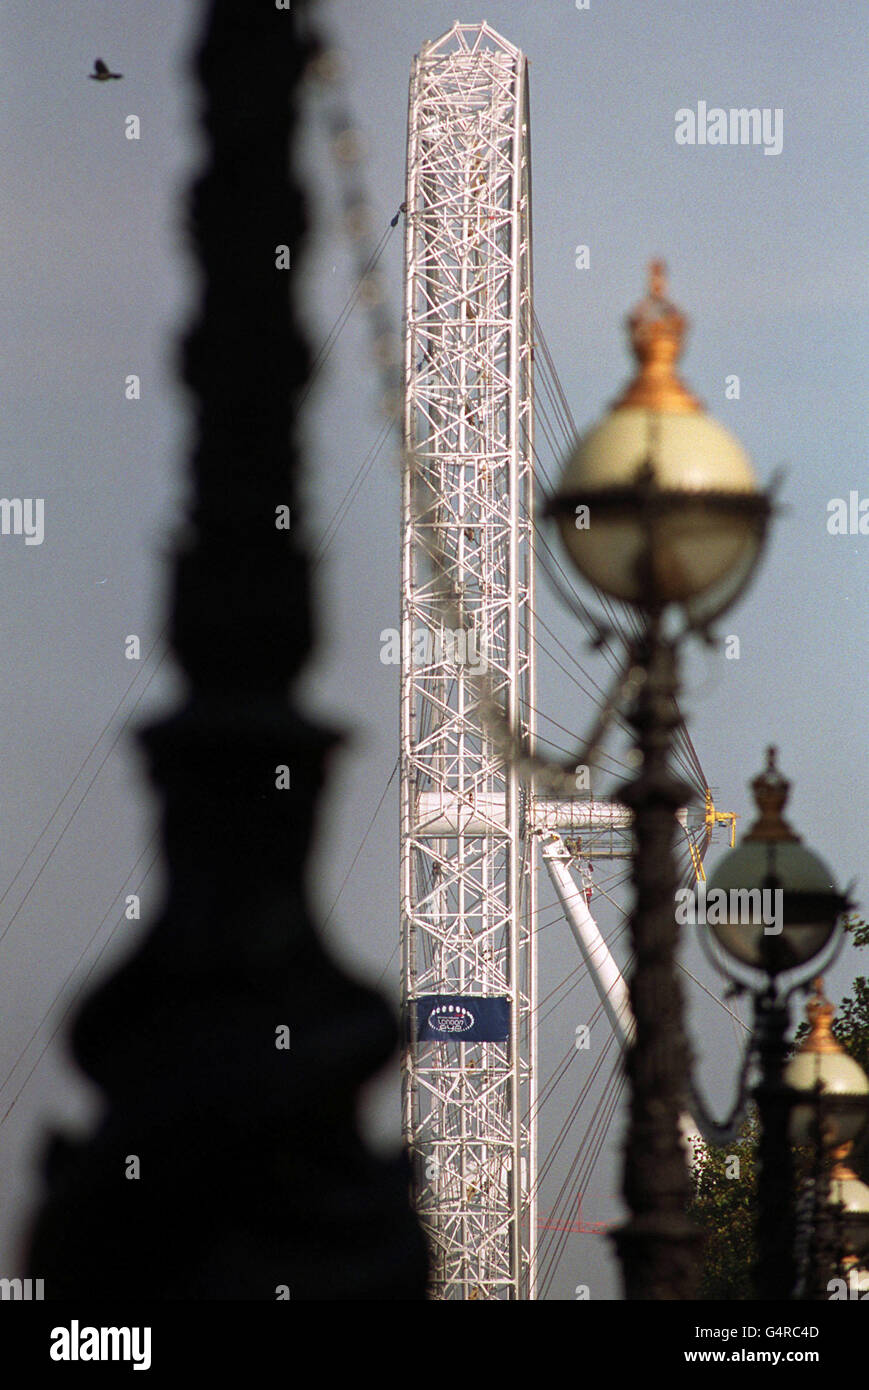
<point x="231" y="1049"/>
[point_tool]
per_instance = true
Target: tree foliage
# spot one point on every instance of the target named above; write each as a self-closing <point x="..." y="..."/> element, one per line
<point x="724" y="1206"/>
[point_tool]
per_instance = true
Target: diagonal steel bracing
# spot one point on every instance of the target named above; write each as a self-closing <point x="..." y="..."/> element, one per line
<point x="468" y="894"/>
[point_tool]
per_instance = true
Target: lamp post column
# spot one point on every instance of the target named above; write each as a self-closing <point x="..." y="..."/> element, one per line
<point x="659" y="1247"/>
<point x="775" y="1274"/>
<point x="659" y="508"/>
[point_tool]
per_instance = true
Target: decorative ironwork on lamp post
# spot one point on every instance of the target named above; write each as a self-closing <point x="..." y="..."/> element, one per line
<point x="659" y="506"/>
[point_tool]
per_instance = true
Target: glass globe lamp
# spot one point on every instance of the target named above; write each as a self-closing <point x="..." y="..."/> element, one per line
<point x="849" y="1198"/>
<point x="658" y="503"/>
<point x="835" y="1085"/>
<point x="780" y="905"/>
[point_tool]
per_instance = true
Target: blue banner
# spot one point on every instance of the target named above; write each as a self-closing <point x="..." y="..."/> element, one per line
<point x="462" y="1018"/>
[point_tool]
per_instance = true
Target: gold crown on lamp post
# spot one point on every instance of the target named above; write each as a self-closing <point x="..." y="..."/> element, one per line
<point x="841" y="1170"/>
<point x="659" y="504"/>
<point x="657" y="330"/>
<point x="820" y="1014"/>
<point x="771" y="790"/>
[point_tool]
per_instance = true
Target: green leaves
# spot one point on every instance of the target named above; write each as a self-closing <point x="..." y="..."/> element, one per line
<point x="724" y="1206"/>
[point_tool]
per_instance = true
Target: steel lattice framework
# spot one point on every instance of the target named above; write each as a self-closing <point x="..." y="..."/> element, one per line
<point x="467" y="872"/>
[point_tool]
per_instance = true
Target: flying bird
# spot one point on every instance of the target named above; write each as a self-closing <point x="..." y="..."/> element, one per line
<point x="101" y="72"/>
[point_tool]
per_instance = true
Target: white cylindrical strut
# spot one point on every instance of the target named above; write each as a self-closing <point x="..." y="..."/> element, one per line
<point x="479" y="812"/>
<point x="608" y="979"/>
<point x="604" y="972"/>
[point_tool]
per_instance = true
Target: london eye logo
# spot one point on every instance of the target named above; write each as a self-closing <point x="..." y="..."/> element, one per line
<point x="450" y="1018"/>
<point x="463" y="1018"/>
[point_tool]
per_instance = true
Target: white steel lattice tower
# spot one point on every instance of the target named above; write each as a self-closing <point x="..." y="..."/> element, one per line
<point x="467" y="870"/>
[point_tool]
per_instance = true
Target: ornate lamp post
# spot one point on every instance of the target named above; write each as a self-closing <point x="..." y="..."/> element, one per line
<point x="659" y="506"/>
<point x="835" y="1110"/>
<point x="849" y="1199"/>
<point x="775" y="918"/>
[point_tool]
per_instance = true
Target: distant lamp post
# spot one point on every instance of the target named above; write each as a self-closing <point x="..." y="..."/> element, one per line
<point x="834" y="1110"/>
<point x="659" y="506"/>
<point x="849" y="1199"/>
<point x="779" y="920"/>
<point x="834" y="1226"/>
<point x="821" y="1066"/>
<point x="771" y="857"/>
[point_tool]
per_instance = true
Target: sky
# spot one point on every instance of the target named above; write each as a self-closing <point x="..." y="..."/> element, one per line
<point x="766" y="255"/>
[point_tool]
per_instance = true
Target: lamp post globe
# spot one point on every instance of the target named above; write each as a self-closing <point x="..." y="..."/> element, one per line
<point x="658" y="503"/>
<point x="771" y="859"/>
<point x="822" y="1070"/>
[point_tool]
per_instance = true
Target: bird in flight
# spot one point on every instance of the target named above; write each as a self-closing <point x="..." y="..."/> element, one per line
<point x="101" y="72"/>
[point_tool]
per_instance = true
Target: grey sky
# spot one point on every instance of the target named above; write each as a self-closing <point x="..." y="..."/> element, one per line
<point x="767" y="257"/>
